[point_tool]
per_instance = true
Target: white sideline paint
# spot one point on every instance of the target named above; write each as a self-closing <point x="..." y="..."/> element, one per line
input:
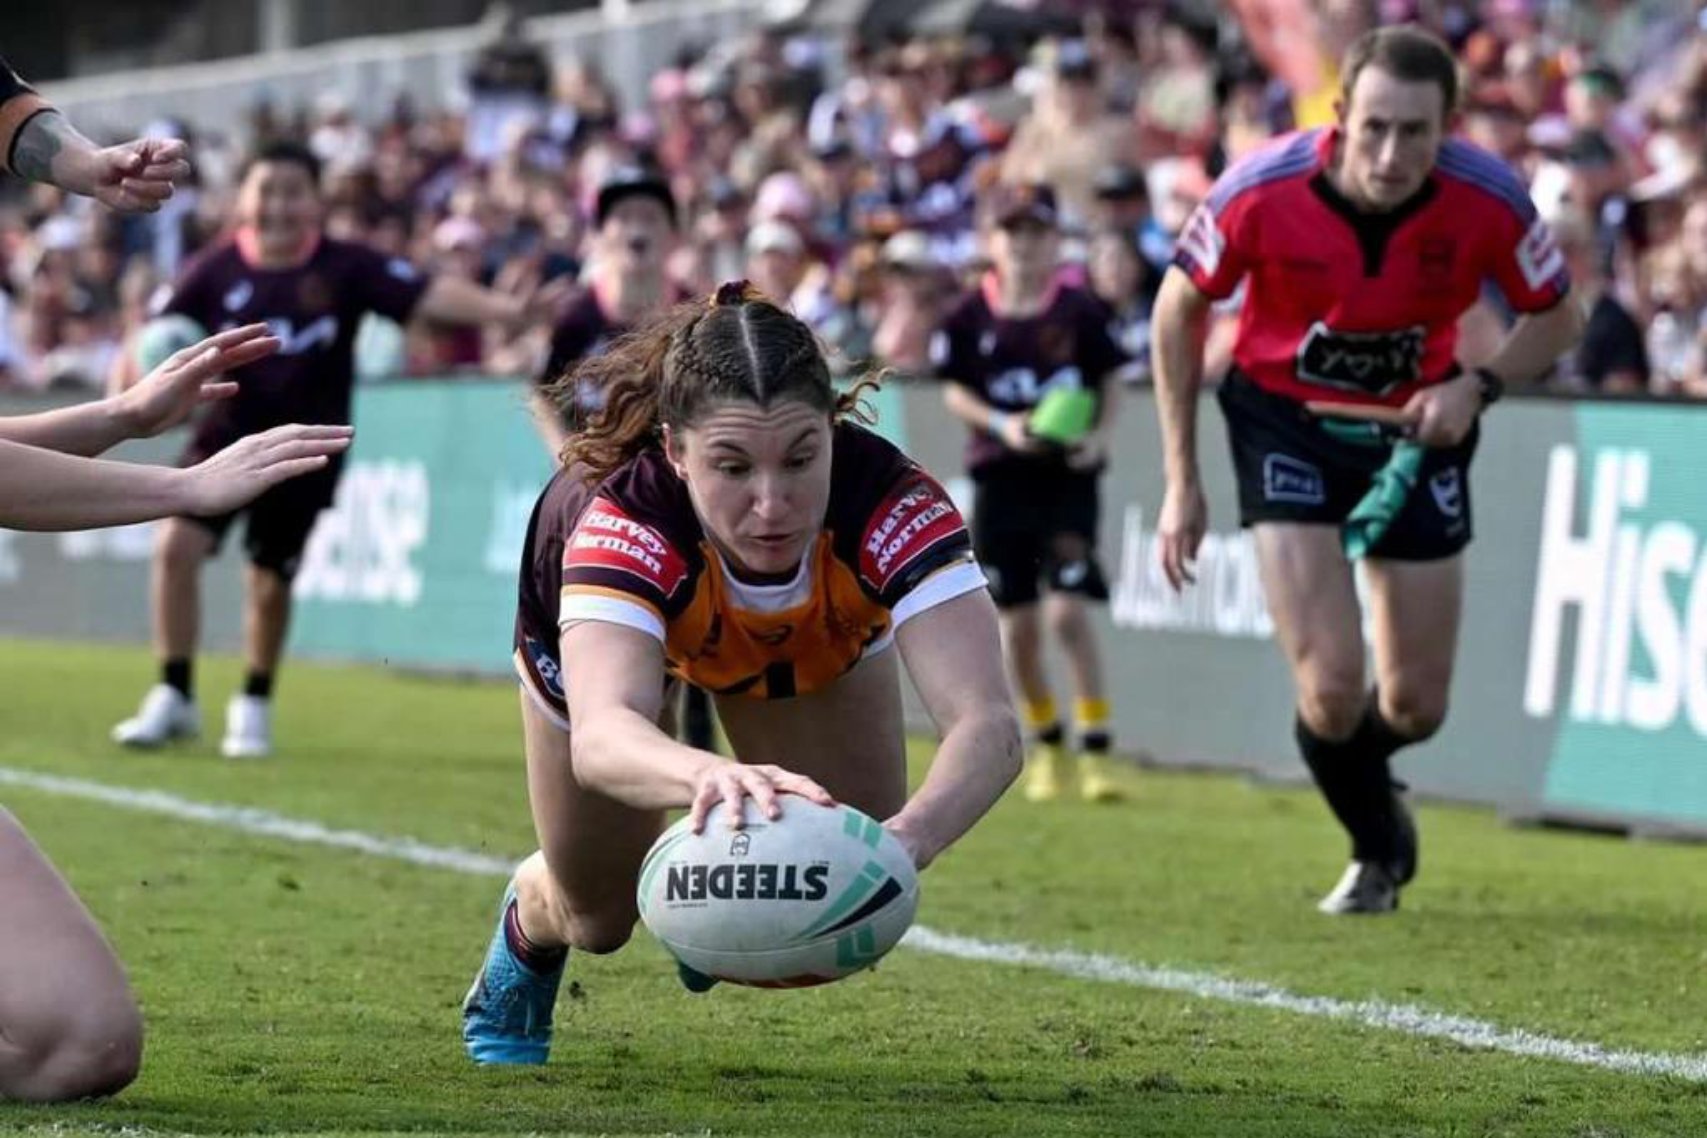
<point x="1408" y="1019"/>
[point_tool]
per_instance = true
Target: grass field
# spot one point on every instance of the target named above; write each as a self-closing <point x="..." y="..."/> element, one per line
<point x="291" y="988"/>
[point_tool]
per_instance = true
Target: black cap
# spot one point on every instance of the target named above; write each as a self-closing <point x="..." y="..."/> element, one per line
<point x="1073" y="60"/>
<point x="1120" y="182"/>
<point x="1009" y="204"/>
<point x="631" y="181"/>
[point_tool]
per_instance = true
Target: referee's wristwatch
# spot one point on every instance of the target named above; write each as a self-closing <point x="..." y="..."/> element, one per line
<point x="1491" y="387"/>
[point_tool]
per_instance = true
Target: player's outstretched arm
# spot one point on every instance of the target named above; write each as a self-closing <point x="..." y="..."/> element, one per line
<point x="51" y="491"/>
<point x="953" y="651"/>
<point x="1179" y="328"/>
<point x="614" y="685"/>
<point x="39" y="143"/>
<point x="159" y="401"/>
<point x="456" y="301"/>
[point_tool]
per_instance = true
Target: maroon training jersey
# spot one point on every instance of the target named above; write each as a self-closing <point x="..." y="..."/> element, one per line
<point x="1355" y="306"/>
<point x="1012" y="363"/>
<point x="586" y="330"/>
<point x="313" y="308"/>
<point x="631" y="551"/>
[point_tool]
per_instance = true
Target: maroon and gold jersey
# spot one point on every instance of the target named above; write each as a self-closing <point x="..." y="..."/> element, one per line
<point x="1364" y="307"/>
<point x="631" y="551"/>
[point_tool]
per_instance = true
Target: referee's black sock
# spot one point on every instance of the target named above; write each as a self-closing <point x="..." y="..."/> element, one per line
<point x="1353" y="777"/>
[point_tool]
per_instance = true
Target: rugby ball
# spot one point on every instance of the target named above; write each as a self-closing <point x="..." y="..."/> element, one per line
<point x="818" y="894"/>
<point x="162" y="336"/>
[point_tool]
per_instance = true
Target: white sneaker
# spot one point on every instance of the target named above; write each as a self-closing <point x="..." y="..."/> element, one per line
<point x="248" y="728"/>
<point x="1366" y="887"/>
<point x="166" y="714"/>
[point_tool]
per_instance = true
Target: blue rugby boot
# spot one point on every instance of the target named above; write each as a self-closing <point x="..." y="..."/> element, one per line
<point x="506" y="1017"/>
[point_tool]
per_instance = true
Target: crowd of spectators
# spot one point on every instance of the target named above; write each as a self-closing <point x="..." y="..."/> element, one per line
<point x="842" y="175"/>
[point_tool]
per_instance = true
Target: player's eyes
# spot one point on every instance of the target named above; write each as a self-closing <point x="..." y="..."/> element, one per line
<point x="732" y="469"/>
<point x="801" y="461"/>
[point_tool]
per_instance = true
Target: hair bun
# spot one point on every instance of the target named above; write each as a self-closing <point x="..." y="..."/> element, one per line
<point x="732" y="294"/>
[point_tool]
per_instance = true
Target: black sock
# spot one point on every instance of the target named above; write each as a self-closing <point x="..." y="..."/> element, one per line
<point x="176" y="674"/>
<point x="1353" y="776"/>
<point x="258" y="684"/>
<point x="537" y="958"/>
<point x="1098" y="742"/>
<point x="697" y="727"/>
<point x="1051" y="735"/>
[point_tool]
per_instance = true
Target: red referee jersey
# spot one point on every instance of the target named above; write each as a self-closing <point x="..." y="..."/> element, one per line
<point x="1355" y="306"/>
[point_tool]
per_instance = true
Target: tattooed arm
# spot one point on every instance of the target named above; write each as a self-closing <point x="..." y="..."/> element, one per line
<point x="39" y="143"/>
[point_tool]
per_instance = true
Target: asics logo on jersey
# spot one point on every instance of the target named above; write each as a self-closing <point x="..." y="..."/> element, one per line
<point x="1372" y="362"/>
<point x="294" y="341"/>
<point x="1019" y="386"/>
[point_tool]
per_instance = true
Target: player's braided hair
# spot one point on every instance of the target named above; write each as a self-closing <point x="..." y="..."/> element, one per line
<point x="737" y="347"/>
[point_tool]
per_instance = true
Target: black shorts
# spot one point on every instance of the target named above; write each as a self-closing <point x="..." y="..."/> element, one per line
<point x="279" y="521"/>
<point x="1291" y="469"/>
<point x="1019" y="511"/>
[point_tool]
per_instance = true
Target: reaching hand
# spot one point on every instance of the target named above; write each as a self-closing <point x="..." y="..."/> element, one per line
<point x="249" y="467"/>
<point x="132" y="177"/>
<point x="729" y="783"/>
<point x="191" y="376"/>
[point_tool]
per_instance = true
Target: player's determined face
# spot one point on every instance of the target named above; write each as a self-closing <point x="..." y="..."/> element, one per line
<point x="280" y="202"/>
<point x="1392" y="134"/>
<point x="636" y="233"/>
<point x="759" y="479"/>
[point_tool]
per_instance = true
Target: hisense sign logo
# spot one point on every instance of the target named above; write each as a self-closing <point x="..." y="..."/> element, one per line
<point x="1637" y="588"/>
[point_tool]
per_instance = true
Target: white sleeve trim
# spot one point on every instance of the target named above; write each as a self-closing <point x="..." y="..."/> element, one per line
<point x="944" y="585"/>
<point x="611" y="610"/>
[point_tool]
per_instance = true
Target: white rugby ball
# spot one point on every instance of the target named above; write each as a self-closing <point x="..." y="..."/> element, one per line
<point x="162" y="336"/>
<point x="816" y="895"/>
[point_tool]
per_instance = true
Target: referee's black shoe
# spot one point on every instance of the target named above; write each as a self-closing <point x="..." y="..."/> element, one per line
<point x="1365" y="887"/>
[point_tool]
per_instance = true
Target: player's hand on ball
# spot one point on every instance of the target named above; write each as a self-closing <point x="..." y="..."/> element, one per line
<point x="1183" y="522"/>
<point x="244" y="470"/>
<point x="1443" y="414"/>
<point x="167" y="395"/>
<point x="729" y="783"/>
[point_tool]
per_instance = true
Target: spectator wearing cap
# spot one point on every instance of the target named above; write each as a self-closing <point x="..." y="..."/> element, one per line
<point x="635" y="218"/>
<point x="780" y="265"/>
<point x="1123" y="204"/>
<point x="913" y="299"/>
<point x="1068" y="136"/>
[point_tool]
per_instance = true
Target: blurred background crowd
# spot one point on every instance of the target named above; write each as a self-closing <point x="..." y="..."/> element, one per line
<point x="841" y="172"/>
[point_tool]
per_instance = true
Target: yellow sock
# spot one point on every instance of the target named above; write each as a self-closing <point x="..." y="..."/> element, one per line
<point x="1040" y="714"/>
<point x="1091" y="717"/>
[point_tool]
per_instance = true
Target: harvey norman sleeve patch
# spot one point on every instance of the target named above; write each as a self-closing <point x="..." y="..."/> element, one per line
<point x="606" y="540"/>
<point x="915" y="530"/>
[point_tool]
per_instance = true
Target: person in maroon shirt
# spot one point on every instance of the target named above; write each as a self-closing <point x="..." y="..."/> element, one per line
<point x="1358" y="248"/>
<point x="636" y="216"/>
<point x="70" y="1023"/>
<point x="635" y="213"/>
<point x="311" y="291"/>
<point x="1019" y="337"/>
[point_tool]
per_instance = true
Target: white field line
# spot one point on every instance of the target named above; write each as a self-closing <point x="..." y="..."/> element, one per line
<point x="1407" y="1019"/>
